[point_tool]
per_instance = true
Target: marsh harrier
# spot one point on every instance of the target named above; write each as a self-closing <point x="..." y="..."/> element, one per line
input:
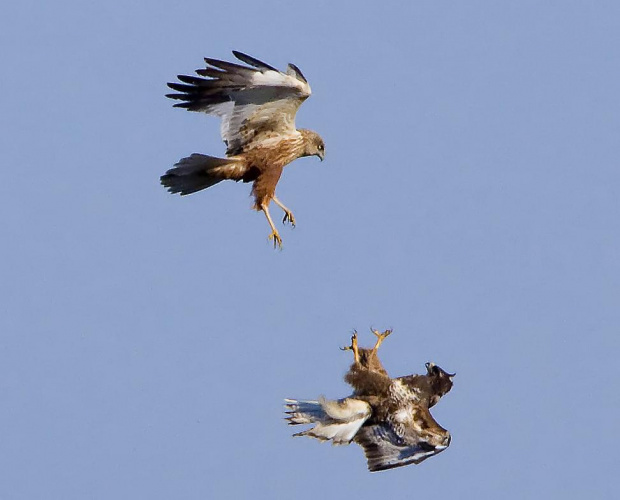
<point x="257" y="105"/>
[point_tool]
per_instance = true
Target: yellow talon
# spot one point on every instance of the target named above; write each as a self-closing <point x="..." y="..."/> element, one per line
<point x="277" y="241"/>
<point x="380" y="337"/>
<point x="288" y="216"/>
<point x="353" y="347"/>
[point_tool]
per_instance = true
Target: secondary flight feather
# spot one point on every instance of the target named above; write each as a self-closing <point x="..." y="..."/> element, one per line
<point x="257" y="105"/>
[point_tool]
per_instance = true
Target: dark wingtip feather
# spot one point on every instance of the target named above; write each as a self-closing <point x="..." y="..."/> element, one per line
<point x="226" y="66"/>
<point x="167" y="180"/>
<point x="178" y="87"/>
<point x="178" y="97"/>
<point x="252" y="61"/>
<point x="194" y="80"/>
<point x="300" y="75"/>
<point x="212" y="72"/>
<point x="181" y="87"/>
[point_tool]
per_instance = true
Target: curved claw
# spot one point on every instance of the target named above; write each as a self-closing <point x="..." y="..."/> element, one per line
<point x="277" y="241"/>
<point x="288" y="216"/>
<point x="380" y="337"/>
<point x="353" y="347"/>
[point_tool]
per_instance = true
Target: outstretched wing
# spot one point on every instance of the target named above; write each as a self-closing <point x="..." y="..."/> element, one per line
<point x="408" y="436"/>
<point x="252" y="101"/>
<point x="385" y="449"/>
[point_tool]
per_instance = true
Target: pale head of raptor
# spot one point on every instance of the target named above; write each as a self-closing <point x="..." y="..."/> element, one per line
<point x="313" y="144"/>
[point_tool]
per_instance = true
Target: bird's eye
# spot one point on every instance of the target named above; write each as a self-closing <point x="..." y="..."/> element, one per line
<point x="321" y="147"/>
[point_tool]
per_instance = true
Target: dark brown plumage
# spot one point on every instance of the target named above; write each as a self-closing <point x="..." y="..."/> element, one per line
<point x="257" y="105"/>
<point x="388" y="418"/>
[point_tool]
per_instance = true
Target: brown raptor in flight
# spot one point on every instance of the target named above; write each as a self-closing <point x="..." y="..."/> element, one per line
<point x="257" y="105"/>
<point x="388" y="417"/>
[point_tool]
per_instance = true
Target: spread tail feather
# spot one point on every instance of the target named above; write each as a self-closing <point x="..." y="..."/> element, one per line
<point x="197" y="172"/>
<point x="337" y="421"/>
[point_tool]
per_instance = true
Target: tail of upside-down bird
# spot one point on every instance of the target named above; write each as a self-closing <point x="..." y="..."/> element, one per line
<point x="335" y="421"/>
<point x="197" y="172"/>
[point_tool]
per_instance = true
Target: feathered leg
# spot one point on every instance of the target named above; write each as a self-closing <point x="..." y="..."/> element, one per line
<point x="275" y="236"/>
<point x="288" y="215"/>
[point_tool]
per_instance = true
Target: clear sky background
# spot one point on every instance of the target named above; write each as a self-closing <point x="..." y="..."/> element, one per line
<point x="469" y="200"/>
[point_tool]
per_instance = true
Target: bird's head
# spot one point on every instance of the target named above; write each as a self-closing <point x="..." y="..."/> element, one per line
<point x="313" y="144"/>
<point x="441" y="381"/>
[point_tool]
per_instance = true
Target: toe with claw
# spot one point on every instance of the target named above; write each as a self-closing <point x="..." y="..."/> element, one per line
<point x="353" y="347"/>
<point x="380" y="337"/>
<point x="288" y="216"/>
<point x="277" y="241"/>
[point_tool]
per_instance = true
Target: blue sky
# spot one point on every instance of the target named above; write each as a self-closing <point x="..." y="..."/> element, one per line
<point x="469" y="200"/>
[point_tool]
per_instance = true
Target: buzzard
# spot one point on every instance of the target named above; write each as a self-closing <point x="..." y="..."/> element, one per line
<point x="257" y="105"/>
<point x="389" y="418"/>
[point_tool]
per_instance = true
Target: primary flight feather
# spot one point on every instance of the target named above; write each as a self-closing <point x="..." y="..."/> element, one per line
<point x="257" y="105"/>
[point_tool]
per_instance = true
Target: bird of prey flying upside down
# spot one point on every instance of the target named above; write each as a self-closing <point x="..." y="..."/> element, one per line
<point x="388" y="417"/>
<point x="257" y="105"/>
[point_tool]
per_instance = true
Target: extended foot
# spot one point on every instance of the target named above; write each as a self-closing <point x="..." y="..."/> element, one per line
<point x="277" y="241"/>
<point x="353" y="347"/>
<point x="288" y="216"/>
<point x="380" y="337"/>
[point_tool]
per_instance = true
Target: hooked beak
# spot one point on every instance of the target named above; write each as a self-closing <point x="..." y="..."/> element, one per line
<point x="321" y="155"/>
